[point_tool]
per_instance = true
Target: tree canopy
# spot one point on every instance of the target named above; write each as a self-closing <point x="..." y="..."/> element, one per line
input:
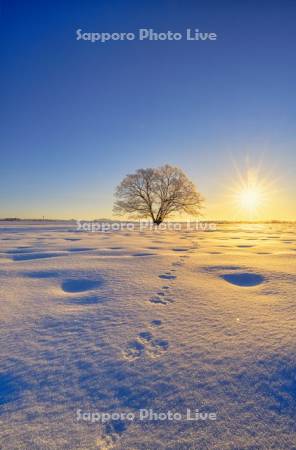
<point x="157" y="193"/>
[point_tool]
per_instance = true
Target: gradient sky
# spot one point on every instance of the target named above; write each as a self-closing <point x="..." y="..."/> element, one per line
<point x="77" y="116"/>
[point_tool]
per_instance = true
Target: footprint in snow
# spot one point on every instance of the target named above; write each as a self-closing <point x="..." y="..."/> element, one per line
<point x="156" y="323"/>
<point x="246" y="279"/>
<point x="245" y="246"/>
<point x="134" y="350"/>
<point x="159" y="300"/>
<point x="145" y="344"/>
<point x="241" y="278"/>
<point x="161" y="297"/>
<point x="106" y="442"/>
<point x="80" y="285"/>
<point x="72" y="239"/>
<point x="154" y="347"/>
<point x="158" y="348"/>
<point x="112" y="433"/>
<point x="167" y="276"/>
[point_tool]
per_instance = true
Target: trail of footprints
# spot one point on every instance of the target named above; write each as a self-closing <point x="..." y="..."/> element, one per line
<point x="146" y="344"/>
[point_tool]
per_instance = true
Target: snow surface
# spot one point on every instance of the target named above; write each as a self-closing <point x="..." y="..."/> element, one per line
<point x="169" y="320"/>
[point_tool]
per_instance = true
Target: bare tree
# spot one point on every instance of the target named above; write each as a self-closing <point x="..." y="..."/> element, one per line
<point x="157" y="193"/>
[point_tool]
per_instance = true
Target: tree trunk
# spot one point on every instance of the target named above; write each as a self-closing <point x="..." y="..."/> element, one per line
<point x="157" y="221"/>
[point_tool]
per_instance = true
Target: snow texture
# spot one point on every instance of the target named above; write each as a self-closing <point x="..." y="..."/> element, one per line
<point x="167" y="320"/>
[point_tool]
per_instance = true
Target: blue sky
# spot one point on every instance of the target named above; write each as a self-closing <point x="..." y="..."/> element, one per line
<point x="77" y="116"/>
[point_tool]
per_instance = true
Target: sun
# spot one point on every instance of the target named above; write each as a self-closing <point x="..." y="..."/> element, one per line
<point x="250" y="198"/>
<point x="251" y="192"/>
